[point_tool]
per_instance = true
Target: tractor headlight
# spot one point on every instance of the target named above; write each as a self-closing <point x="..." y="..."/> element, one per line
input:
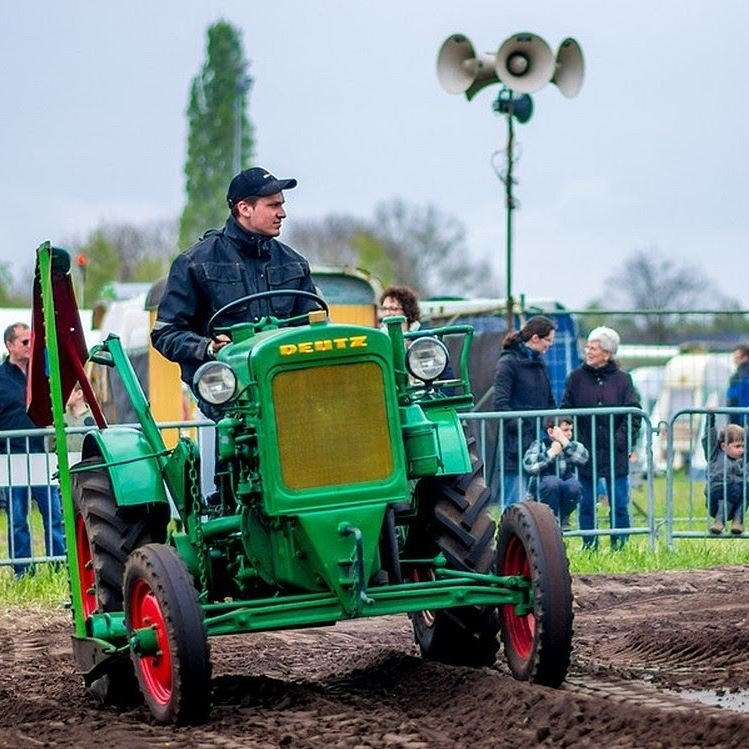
<point x="215" y="382"/>
<point x="427" y="358"/>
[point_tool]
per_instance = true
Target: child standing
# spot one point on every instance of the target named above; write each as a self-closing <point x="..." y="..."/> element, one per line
<point x="551" y="462"/>
<point x="77" y="414"/>
<point x="727" y="478"/>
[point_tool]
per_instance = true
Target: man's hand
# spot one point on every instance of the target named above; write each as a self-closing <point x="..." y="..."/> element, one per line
<point x="217" y="344"/>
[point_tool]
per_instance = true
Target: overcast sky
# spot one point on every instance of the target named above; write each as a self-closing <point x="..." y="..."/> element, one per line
<point x="652" y="154"/>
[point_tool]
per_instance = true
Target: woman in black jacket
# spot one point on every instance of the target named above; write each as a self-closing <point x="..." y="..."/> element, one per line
<point x="597" y="383"/>
<point x="521" y="383"/>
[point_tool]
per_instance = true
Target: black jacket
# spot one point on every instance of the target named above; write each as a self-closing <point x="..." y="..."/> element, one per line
<point x="13" y="410"/>
<point x="223" y="266"/>
<point x="521" y="383"/>
<point x="588" y="387"/>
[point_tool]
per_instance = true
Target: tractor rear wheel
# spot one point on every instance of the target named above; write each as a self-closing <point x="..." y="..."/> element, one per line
<point x="171" y="653"/>
<point x="454" y="519"/>
<point x="537" y="644"/>
<point x="105" y="535"/>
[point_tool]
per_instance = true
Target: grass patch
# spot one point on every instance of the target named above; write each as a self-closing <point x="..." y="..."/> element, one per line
<point x="689" y="514"/>
<point x="637" y="556"/>
<point x="47" y="587"/>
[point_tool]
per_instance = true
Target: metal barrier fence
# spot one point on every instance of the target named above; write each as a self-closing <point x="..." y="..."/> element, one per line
<point x="686" y="441"/>
<point x="30" y="534"/>
<point x="665" y="491"/>
<point x="30" y="506"/>
<point x="611" y="511"/>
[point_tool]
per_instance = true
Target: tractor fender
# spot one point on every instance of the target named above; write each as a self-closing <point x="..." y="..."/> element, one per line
<point x="451" y="439"/>
<point x="133" y="465"/>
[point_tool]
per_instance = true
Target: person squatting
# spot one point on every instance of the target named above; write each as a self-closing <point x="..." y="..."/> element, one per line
<point x="552" y="462"/>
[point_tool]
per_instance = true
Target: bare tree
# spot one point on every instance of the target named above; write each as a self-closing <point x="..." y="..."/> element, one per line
<point x="429" y="251"/>
<point x="124" y="252"/>
<point x="14" y="293"/>
<point x="648" y="281"/>
<point x="404" y="244"/>
<point x="143" y="250"/>
<point x="652" y="284"/>
<point x="329" y="241"/>
<point x="342" y="241"/>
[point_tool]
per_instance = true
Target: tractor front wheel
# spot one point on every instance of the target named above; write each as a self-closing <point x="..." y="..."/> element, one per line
<point x="454" y="520"/>
<point x="105" y="534"/>
<point x="166" y="627"/>
<point x="537" y="643"/>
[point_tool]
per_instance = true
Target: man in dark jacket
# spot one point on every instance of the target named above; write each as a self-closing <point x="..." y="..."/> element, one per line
<point x="13" y="415"/>
<point x="241" y="258"/>
<point x="598" y="383"/>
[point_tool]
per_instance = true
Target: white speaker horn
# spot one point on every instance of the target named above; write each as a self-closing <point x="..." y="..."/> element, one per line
<point x="460" y="69"/>
<point x="570" y="68"/>
<point x="525" y="63"/>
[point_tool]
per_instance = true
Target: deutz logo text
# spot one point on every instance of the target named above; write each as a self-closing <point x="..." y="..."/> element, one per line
<point x="326" y="344"/>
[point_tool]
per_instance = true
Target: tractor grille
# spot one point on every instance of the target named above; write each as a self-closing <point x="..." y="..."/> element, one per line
<point x="332" y="425"/>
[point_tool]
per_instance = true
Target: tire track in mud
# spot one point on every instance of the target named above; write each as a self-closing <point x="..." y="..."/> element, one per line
<point x="668" y="639"/>
<point x="660" y="653"/>
<point x="640" y="694"/>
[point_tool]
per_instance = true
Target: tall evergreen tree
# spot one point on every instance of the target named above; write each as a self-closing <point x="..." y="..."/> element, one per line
<point x="220" y="139"/>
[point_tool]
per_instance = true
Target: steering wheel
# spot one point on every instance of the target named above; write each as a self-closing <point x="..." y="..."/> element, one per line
<point x="212" y="328"/>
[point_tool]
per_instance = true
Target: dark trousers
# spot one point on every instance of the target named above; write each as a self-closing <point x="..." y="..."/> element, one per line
<point x="731" y="497"/>
<point x="561" y="495"/>
<point x="618" y="509"/>
<point x="48" y="500"/>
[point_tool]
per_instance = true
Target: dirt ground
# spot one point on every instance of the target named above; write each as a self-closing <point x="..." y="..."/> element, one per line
<point x="645" y="645"/>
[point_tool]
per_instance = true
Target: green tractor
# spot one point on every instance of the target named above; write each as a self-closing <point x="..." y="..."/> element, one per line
<point x="346" y="488"/>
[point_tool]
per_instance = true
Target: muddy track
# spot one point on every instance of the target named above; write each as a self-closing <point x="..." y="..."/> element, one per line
<point x="643" y="644"/>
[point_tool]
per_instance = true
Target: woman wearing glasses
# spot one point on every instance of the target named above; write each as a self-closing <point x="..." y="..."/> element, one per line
<point x="611" y="438"/>
<point x="401" y="300"/>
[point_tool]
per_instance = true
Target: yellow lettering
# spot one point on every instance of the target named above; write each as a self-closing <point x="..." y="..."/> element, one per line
<point x="326" y="344"/>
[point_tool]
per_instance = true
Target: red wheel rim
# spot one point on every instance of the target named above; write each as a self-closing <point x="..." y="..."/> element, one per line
<point x="86" y="577"/>
<point x="156" y="668"/>
<point x="520" y="630"/>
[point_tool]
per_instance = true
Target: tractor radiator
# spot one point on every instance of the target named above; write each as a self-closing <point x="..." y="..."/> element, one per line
<point x="332" y="425"/>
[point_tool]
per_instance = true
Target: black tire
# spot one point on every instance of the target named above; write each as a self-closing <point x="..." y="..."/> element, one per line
<point x="537" y="645"/>
<point x="105" y="536"/>
<point x="454" y="519"/>
<point x="160" y="595"/>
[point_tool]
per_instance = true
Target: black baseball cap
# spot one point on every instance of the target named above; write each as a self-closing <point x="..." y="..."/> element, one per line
<point x="255" y="182"/>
